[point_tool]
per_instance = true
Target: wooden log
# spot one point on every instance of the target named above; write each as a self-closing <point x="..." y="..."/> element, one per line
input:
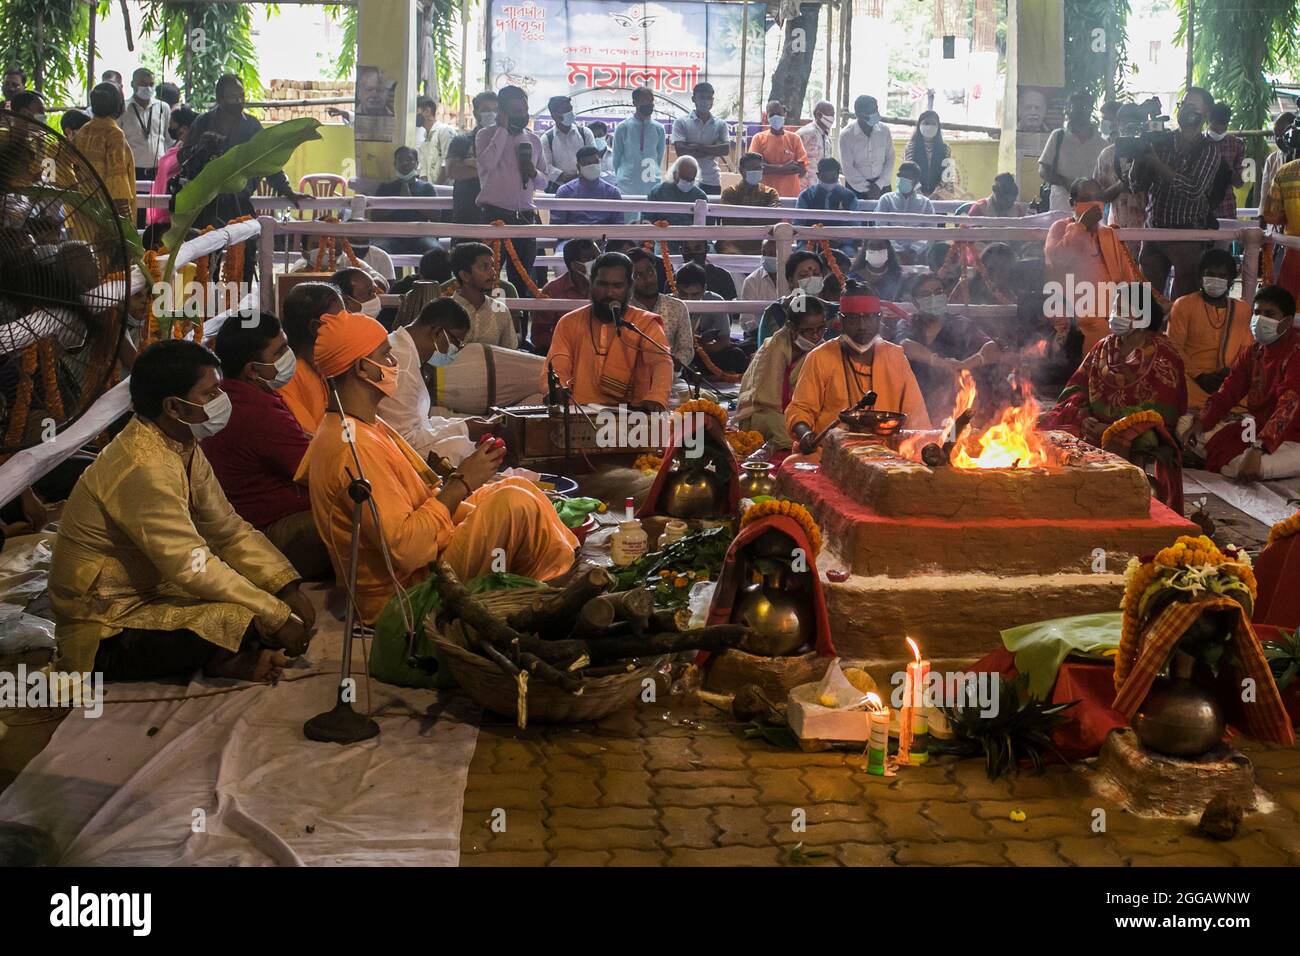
<point x="535" y="665"/>
<point x="665" y="619"/>
<point x="717" y="638"/>
<point x="597" y="615"/>
<point x="459" y="602"/>
<point x="555" y="615"/>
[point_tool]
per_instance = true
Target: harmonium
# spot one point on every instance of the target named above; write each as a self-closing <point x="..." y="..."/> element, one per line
<point x="535" y="439"/>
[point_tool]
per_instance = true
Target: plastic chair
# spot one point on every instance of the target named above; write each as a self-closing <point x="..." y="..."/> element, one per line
<point x="322" y="184"/>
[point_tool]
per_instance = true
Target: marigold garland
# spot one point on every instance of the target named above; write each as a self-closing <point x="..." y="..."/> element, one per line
<point x="1284" y="528"/>
<point x="650" y="464"/>
<point x="1266" y="261"/>
<point x="670" y="277"/>
<point x="50" y="380"/>
<point x="712" y="369"/>
<point x="529" y="284"/>
<point x="153" y="265"/>
<point x="1128" y="421"/>
<point x="22" y="398"/>
<point x="791" y="509"/>
<point x="828" y="255"/>
<point x="745" y="443"/>
<point x="707" y="407"/>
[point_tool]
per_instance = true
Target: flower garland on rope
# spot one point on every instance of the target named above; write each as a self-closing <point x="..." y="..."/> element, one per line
<point x="203" y="279"/>
<point x="22" y="398"/>
<point x="153" y="266"/>
<point x="1189" y="564"/>
<point x="791" y="509"/>
<point x="712" y="409"/>
<point x="50" y="380"/>
<point x="959" y="247"/>
<point x="713" y="371"/>
<point x="1128" y="421"/>
<point x="1266" y="260"/>
<point x="529" y="284"/>
<point x="670" y="277"/>
<point x="824" y="247"/>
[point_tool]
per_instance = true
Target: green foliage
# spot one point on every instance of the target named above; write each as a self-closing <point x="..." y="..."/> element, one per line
<point x="443" y="18"/>
<point x="219" y="40"/>
<point x="1095" y="61"/>
<point x="263" y="155"/>
<point x="1283" y="657"/>
<point x="699" y="551"/>
<point x="1020" y="729"/>
<point x="47" y="40"/>
<point x="344" y="64"/>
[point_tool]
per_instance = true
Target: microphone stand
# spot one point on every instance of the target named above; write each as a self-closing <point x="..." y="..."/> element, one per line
<point x="695" y="378"/>
<point x="557" y="394"/>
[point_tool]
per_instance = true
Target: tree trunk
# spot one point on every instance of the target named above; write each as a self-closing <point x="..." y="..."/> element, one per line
<point x="790" y="78"/>
<point x="38" y="67"/>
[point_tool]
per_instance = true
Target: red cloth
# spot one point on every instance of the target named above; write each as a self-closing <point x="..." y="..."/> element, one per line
<point x="1169" y="475"/>
<point x="257" y="454"/>
<point x="715" y="442"/>
<point x="1112" y="383"/>
<point x="733" y="579"/>
<point x="1268" y="378"/>
<point x="1277" y="573"/>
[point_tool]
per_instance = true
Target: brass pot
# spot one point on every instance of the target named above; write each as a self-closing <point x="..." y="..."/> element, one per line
<point x="691" y="494"/>
<point x="1179" y="718"/>
<point x="757" y="479"/>
<point x="781" y="622"/>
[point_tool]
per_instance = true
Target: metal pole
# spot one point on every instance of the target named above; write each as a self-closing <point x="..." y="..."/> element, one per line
<point x="830" y="15"/>
<point x="266" y="262"/>
<point x="783" y="235"/>
<point x="464" y="60"/>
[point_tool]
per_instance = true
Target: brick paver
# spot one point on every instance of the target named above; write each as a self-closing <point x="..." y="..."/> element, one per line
<point x="679" y="785"/>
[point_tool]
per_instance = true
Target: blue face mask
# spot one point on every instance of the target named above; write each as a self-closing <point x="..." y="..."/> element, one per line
<point x="443" y="359"/>
<point x="753" y="176"/>
<point x="905" y="185"/>
<point x="598" y="142"/>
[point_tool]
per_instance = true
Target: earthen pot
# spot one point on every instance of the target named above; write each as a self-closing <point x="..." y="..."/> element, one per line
<point x="757" y="479"/>
<point x="1179" y="718"/>
<point x="780" y="620"/>
<point x="691" y="493"/>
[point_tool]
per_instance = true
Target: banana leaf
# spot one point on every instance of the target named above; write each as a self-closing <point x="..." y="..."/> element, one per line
<point x="263" y="155"/>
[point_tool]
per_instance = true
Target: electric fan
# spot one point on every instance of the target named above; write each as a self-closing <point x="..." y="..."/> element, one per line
<point x="64" y="283"/>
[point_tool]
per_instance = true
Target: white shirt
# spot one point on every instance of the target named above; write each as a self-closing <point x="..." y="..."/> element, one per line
<point x="491" y="323"/>
<point x="560" y="150"/>
<point x="1076" y="158"/>
<point x="408" y="408"/>
<point x="757" y="286"/>
<point x="866" y="158"/>
<point x="145" y="128"/>
<point x="913" y="202"/>
<point x="432" y="147"/>
<point x="817" y="145"/>
<point x="677" y="327"/>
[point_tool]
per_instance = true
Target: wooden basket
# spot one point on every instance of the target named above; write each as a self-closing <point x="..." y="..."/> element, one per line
<point x="545" y="703"/>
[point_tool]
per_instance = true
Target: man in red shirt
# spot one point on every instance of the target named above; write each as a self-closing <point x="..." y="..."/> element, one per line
<point x="784" y="158"/>
<point x="257" y="454"/>
<point x="578" y="254"/>
<point x="1265" y="446"/>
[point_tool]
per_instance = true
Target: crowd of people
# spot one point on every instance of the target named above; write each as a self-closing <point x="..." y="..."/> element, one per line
<point x="241" y="450"/>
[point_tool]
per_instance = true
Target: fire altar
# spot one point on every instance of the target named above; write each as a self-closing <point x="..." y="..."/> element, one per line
<point x="1009" y="526"/>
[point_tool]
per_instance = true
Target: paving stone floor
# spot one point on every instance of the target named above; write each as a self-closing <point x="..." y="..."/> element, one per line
<point x="680" y="786"/>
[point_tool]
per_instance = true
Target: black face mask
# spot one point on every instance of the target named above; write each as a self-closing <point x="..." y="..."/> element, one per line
<point x="516" y="124"/>
<point x="645" y="109"/>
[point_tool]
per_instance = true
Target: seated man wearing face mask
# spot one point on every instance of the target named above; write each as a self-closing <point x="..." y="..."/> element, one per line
<point x="1266" y="377"/>
<point x="587" y="185"/>
<point x="154" y="574"/>
<point x="360" y="291"/>
<point x="827" y="193"/>
<point x="907" y="198"/>
<point x="758" y="286"/>
<point x="461" y="519"/>
<point x="837" y="374"/>
<point x="432" y="340"/>
<point x="1209" y="330"/>
<point x="258" y="452"/>
<point x="409" y="183"/>
<point x="768" y="382"/>
<point x="750" y="191"/>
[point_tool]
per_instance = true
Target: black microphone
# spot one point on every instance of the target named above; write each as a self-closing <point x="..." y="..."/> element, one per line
<point x="615" y="308"/>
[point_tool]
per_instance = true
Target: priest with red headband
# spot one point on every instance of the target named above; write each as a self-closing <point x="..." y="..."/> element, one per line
<point x="837" y="374"/>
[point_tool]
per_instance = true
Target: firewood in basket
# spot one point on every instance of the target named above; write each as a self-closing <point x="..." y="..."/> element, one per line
<point x="598" y="614"/>
<point x="716" y="638"/>
<point x="556" y="614"/>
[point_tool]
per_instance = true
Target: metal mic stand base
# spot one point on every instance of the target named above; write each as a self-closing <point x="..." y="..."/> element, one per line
<point x="342" y="725"/>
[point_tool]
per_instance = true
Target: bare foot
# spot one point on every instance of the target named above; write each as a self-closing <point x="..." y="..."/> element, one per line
<point x="260" y="666"/>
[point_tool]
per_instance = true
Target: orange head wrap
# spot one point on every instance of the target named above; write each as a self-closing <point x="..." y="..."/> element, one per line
<point x="343" y="338"/>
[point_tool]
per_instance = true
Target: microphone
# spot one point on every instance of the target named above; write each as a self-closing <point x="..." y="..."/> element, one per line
<point x="615" y="310"/>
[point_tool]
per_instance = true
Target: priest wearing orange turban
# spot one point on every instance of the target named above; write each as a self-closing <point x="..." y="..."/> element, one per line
<point x="474" y="525"/>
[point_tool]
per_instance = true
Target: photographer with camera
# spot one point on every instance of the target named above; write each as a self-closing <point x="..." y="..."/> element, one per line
<point x="1070" y="152"/>
<point x="1128" y="209"/>
<point x="1178" y="169"/>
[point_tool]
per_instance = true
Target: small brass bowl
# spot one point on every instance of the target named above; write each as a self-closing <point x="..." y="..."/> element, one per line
<point x="873" y="422"/>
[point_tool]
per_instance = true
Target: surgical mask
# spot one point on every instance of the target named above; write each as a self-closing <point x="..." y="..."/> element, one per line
<point x="590" y="172"/>
<point x="144" y="93"/>
<point x="876" y="258"/>
<point x="443" y="359"/>
<point x="487" y="117"/>
<point x="218" y="412"/>
<point x="753" y="176"/>
<point x="285" y="366"/>
<point x="567" y="118"/>
<point x="407" y="177"/>
<point x="812" y="284"/>
<point x="929" y="130"/>
<point x="769" y="265"/>
<point x="936" y="304"/>
<point x="685" y="185"/>
<point x="1120" y="324"/>
<point x="598" y="142"/>
<point x="1214" y="286"/>
<point x="1105" y="127"/>
<point x="1264" y="329"/>
<point x="777" y="123"/>
<point x="905" y="185"/>
<point x="805" y="344"/>
<point x="825" y="120"/>
<point x="372" y="307"/>
<point x="1217" y="137"/>
<point x="860" y="349"/>
<point x="645" y="109"/>
<point x="873" y="119"/>
<point x="388" y="378"/>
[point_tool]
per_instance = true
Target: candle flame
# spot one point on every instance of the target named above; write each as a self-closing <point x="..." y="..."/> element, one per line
<point x="916" y="651"/>
<point x="874" y="702"/>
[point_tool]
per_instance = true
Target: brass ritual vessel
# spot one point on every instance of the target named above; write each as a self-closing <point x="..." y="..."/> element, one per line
<point x="1179" y="718"/>
<point x="692" y="492"/>
<point x="757" y="479"/>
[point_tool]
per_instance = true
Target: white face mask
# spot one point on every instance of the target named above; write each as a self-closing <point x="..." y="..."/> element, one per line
<point x="285" y="366"/>
<point x="812" y="284"/>
<point x="860" y="349"/>
<point x="218" y="412"/>
<point x="487" y="117"/>
<point x="1120" y="324"/>
<point x="936" y="304"/>
<point x="590" y="172"/>
<point x="144" y="93"/>
<point x="1217" y="137"/>
<point x="685" y="185"/>
<point x="876" y="257"/>
<point x="806" y="344"/>
<point x="1214" y="286"/>
<point x="1264" y="329"/>
<point x="929" y="130"/>
<point x="372" y="307"/>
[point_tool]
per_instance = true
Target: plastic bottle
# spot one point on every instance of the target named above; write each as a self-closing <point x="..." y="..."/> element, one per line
<point x="629" y="541"/>
<point x="674" y="529"/>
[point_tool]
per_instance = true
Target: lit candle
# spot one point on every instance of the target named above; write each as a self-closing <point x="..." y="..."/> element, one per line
<point x="918" y="749"/>
<point x="877" y="735"/>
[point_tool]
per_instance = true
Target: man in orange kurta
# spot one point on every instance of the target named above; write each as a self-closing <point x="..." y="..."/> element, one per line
<point x="473" y="525"/>
<point x="605" y="364"/>
<point x="1086" y="261"/>
<point x="304" y="308"/>
<point x="1208" y="329"/>
<point x="838" y="373"/>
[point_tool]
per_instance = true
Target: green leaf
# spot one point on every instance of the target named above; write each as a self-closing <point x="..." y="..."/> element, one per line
<point x="263" y="155"/>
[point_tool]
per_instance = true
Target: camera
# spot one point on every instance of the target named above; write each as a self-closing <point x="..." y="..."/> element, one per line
<point x="1289" y="143"/>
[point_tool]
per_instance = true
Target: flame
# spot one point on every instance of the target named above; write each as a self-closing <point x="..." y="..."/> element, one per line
<point x="1037" y="350"/>
<point x="916" y="650"/>
<point x="874" y="703"/>
<point x="1013" y="442"/>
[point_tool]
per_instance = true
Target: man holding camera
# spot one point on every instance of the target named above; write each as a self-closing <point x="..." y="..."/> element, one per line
<point x="1177" y="170"/>
<point x="1128" y="209"/>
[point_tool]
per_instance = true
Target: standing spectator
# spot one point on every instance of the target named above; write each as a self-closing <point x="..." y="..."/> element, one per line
<point x="704" y="137"/>
<point x="1277" y="157"/>
<point x="784" y="159"/>
<point x="750" y="191"/>
<point x="681" y="186"/>
<point x="933" y="157"/>
<point x="72" y="120"/>
<point x="170" y="94"/>
<point x="600" y="140"/>
<point x="560" y="143"/>
<point x="114" y="77"/>
<point x="867" y="151"/>
<point x="1109" y="125"/>
<point x="816" y="138"/>
<point x="588" y="185"/>
<point x="1070" y="152"/>
<point x="15" y="81"/>
<point x="1232" y="150"/>
<point x="409" y="183"/>
<point x="508" y="154"/>
<point x="639" y="146"/>
<point x="1282" y="209"/>
<point x="1128" y="209"/>
<point x="462" y="165"/>
<point x="104" y="145"/>
<point x="213" y="134"/>
<point x="145" y="124"/>
<point x="907" y="198"/>
<point x="829" y="194"/>
<point x="179" y="123"/>
<point x="432" y="140"/>
<point x="1178" y="176"/>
